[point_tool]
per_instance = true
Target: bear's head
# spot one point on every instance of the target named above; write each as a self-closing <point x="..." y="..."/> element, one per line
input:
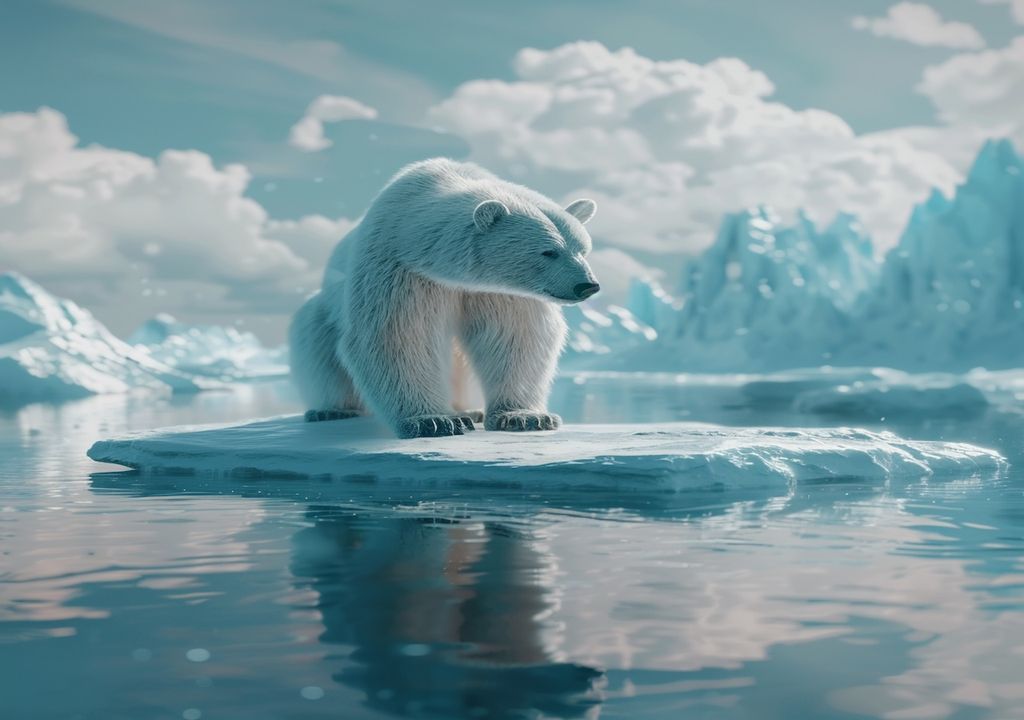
<point x="535" y="250"/>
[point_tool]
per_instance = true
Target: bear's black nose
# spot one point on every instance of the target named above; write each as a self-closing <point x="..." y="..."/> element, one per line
<point x="585" y="290"/>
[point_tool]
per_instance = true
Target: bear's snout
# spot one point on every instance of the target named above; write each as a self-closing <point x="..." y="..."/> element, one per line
<point x="585" y="290"/>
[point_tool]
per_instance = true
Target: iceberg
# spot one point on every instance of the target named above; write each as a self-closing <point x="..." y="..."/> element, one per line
<point x="224" y="353"/>
<point x="52" y="349"/>
<point x="902" y="396"/>
<point x="951" y="294"/>
<point x="594" y="332"/>
<point x="768" y="296"/>
<point x="651" y="457"/>
<point x="765" y="295"/>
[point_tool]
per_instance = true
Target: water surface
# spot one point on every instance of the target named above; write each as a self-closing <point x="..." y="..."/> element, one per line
<point x="125" y="596"/>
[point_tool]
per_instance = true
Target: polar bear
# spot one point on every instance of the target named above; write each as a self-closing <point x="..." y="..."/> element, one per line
<point x="449" y="262"/>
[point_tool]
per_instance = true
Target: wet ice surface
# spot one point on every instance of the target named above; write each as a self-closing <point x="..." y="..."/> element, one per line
<point x="124" y="595"/>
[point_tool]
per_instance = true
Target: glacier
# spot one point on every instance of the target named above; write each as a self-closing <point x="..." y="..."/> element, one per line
<point x="51" y="349"/>
<point x="768" y="296"/>
<point x="660" y="457"/>
<point x="224" y="353"/>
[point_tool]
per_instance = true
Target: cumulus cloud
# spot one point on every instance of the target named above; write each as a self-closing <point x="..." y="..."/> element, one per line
<point x="99" y="216"/>
<point x="981" y="91"/>
<point x="667" y="147"/>
<point x="308" y="133"/>
<point x="920" y="24"/>
<point x="976" y="97"/>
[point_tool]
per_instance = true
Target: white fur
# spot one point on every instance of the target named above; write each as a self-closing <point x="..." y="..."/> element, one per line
<point x="446" y="254"/>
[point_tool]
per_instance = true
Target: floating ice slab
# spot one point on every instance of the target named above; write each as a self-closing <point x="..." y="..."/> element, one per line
<point x="669" y="456"/>
<point x="876" y="400"/>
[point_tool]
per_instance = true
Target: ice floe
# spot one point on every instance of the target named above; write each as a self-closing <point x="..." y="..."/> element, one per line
<point x="654" y="457"/>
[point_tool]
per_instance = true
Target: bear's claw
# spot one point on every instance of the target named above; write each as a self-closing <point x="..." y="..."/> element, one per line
<point x="523" y="421"/>
<point x="322" y="415"/>
<point x="435" y="426"/>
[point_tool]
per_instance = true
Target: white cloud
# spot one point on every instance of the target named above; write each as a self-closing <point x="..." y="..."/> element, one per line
<point x="97" y="217"/>
<point x="308" y="133"/>
<point x="921" y="24"/>
<point x="1016" y="8"/>
<point x="667" y="147"/>
<point x="616" y="270"/>
<point x="977" y="97"/>
<point x="981" y="92"/>
<point x="312" y="237"/>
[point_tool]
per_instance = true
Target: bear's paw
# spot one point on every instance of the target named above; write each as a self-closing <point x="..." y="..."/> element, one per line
<point x="522" y="421"/>
<point x="434" y="426"/>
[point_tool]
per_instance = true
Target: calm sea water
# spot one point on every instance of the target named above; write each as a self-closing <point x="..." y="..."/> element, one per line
<point x="124" y="596"/>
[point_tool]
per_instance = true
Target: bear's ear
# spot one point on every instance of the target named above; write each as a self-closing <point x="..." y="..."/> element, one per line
<point x="582" y="210"/>
<point x="487" y="213"/>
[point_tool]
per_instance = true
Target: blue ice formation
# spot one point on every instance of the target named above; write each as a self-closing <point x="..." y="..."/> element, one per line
<point x="768" y="296"/>
<point x="225" y="353"/>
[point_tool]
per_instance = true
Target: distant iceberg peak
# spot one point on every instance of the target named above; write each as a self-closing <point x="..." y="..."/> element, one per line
<point x="997" y="157"/>
<point x="15" y="283"/>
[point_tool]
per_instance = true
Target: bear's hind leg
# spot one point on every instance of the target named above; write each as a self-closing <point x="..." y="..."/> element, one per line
<point x="323" y="383"/>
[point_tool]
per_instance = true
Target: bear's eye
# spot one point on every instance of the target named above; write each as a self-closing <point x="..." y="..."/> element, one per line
<point x="550" y="253"/>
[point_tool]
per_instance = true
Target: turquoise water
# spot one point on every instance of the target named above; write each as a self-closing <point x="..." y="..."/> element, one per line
<point x="123" y="596"/>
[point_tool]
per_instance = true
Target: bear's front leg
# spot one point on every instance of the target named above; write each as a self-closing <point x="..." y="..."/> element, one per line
<point x="399" y="358"/>
<point x="514" y="344"/>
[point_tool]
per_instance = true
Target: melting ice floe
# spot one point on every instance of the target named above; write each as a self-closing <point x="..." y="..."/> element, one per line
<point x="52" y="349"/>
<point x="659" y="457"/>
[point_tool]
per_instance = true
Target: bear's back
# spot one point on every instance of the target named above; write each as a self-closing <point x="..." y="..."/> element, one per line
<point x="428" y="197"/>
<point x="439" y="178"/>
<point x="443" y="179"/>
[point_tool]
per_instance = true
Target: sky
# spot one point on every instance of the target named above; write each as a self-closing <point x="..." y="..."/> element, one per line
<point x="202" y="157"/>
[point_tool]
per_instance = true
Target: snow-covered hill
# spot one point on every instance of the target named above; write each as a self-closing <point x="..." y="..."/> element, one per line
<point x="52" y="349"/>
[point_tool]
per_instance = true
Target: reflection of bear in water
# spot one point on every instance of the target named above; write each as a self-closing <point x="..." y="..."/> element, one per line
<point x="444" y="619"/>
